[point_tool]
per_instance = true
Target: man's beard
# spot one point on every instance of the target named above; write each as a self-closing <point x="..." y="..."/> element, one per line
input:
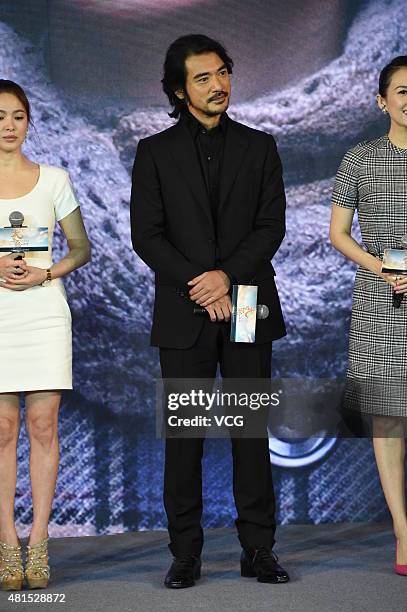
<point x="214" y="113"/>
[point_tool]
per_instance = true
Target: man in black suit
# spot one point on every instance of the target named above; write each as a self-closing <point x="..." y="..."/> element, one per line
<point x="207" y="212"/>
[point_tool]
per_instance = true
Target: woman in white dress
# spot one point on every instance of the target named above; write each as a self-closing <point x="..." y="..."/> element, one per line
<point x="35" y="335"/>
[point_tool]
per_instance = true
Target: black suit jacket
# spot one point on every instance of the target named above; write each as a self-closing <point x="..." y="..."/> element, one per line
<point x="173" y="232"/>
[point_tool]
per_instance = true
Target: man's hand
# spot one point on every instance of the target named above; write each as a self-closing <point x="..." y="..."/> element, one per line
<point x="221" y="309"/>
<point x="209" y="287"/>
<point x="34" y="276"/>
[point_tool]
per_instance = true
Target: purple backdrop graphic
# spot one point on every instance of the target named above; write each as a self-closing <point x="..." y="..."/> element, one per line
<point x="92" y="71"/>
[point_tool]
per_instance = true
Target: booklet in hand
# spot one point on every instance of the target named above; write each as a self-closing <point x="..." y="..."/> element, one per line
<point x="23" y="239"/>
<point x="395" y="261"/>
<point x="244" y="312"/>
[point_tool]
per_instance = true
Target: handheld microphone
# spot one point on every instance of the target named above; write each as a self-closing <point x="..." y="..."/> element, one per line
<point x="398" y="297"/>
<point x="16" y="219"/>
<point x="262" y="311"/>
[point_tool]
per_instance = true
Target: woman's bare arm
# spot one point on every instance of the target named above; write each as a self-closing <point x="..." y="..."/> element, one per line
<point x="340" y="235"/>
<point x="78" y="243"/>
<point x="341" y="238"/>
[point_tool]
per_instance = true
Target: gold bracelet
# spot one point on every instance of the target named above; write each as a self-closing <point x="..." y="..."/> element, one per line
<point x="48" y="279"/>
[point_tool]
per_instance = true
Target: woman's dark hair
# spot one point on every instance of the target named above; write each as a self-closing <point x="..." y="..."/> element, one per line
<point x="388" y="71"/>
<point x="17" y="91"/>
<point x="174" y="66"/>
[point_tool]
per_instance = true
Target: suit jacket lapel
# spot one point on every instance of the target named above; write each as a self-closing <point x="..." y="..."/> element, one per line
<point x="233" y="154"/>
<point x="186" y="158"/>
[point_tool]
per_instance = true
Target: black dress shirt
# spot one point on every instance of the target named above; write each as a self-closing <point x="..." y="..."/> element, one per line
<point x="209" y="146"/>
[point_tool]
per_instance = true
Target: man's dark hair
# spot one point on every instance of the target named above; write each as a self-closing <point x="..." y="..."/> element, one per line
<point x="174" y="66"/>
<point x="388" y="71"/>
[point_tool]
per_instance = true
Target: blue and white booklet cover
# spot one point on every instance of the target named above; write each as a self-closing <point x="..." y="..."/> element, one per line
<point x="395" y="261"/>
<point x="244" y="312"/>
<point x="23" y="239"/>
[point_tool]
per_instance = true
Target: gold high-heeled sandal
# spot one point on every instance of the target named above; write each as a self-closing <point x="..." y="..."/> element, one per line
<point x="11" y="568"/>
<point x="37" y="571"/>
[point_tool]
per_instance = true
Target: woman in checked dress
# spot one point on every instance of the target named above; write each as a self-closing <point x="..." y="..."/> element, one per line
<point x="35" y="335"/>
<point x="372" y="178"/>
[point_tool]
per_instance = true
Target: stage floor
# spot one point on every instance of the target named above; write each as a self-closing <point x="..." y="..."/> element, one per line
<point x="344" y="568"/>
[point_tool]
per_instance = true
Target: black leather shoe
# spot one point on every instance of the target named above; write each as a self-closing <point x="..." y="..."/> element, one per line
<point x="262" y="563"/>
<point x="183" y="572"/>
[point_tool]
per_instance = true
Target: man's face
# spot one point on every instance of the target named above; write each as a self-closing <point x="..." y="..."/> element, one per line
<point x="207" y="85"/>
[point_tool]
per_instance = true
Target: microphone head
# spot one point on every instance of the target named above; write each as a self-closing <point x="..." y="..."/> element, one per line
<point x="16" y="218"/>
<point x="262" y="311"/>
<point x="403" y="241"/>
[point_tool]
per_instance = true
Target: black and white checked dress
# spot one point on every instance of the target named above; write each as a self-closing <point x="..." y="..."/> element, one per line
<point x="372" y="178"/>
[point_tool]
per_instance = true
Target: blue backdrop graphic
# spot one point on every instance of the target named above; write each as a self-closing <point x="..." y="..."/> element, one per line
<point x="92" y="72"/>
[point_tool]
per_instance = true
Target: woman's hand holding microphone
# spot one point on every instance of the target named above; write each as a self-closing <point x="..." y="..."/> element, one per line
<point x="11" y="267"/>
<point x="397" y="281"/>
<point x="16" y="275"/>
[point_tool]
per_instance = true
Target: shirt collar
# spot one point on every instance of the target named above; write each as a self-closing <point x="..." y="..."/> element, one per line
<point x="195" y="126"/>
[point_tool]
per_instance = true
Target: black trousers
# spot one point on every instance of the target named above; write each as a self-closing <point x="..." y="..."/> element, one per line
<point x="252" y="481"/>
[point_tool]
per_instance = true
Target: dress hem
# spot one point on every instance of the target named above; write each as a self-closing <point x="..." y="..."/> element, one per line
<point x="40" y="388"/>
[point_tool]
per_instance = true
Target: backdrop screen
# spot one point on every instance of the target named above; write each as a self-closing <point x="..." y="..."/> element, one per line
<point x="92" y="72"/>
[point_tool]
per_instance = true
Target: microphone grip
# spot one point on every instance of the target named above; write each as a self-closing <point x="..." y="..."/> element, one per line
<point x="262" y="311"/>
<point x="397" y="299"/>
<point x="16" y="219"/>
<point x="198" y="310"/>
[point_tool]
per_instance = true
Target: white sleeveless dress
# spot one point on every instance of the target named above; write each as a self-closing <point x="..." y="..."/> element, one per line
<point x="35" y="324"/>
